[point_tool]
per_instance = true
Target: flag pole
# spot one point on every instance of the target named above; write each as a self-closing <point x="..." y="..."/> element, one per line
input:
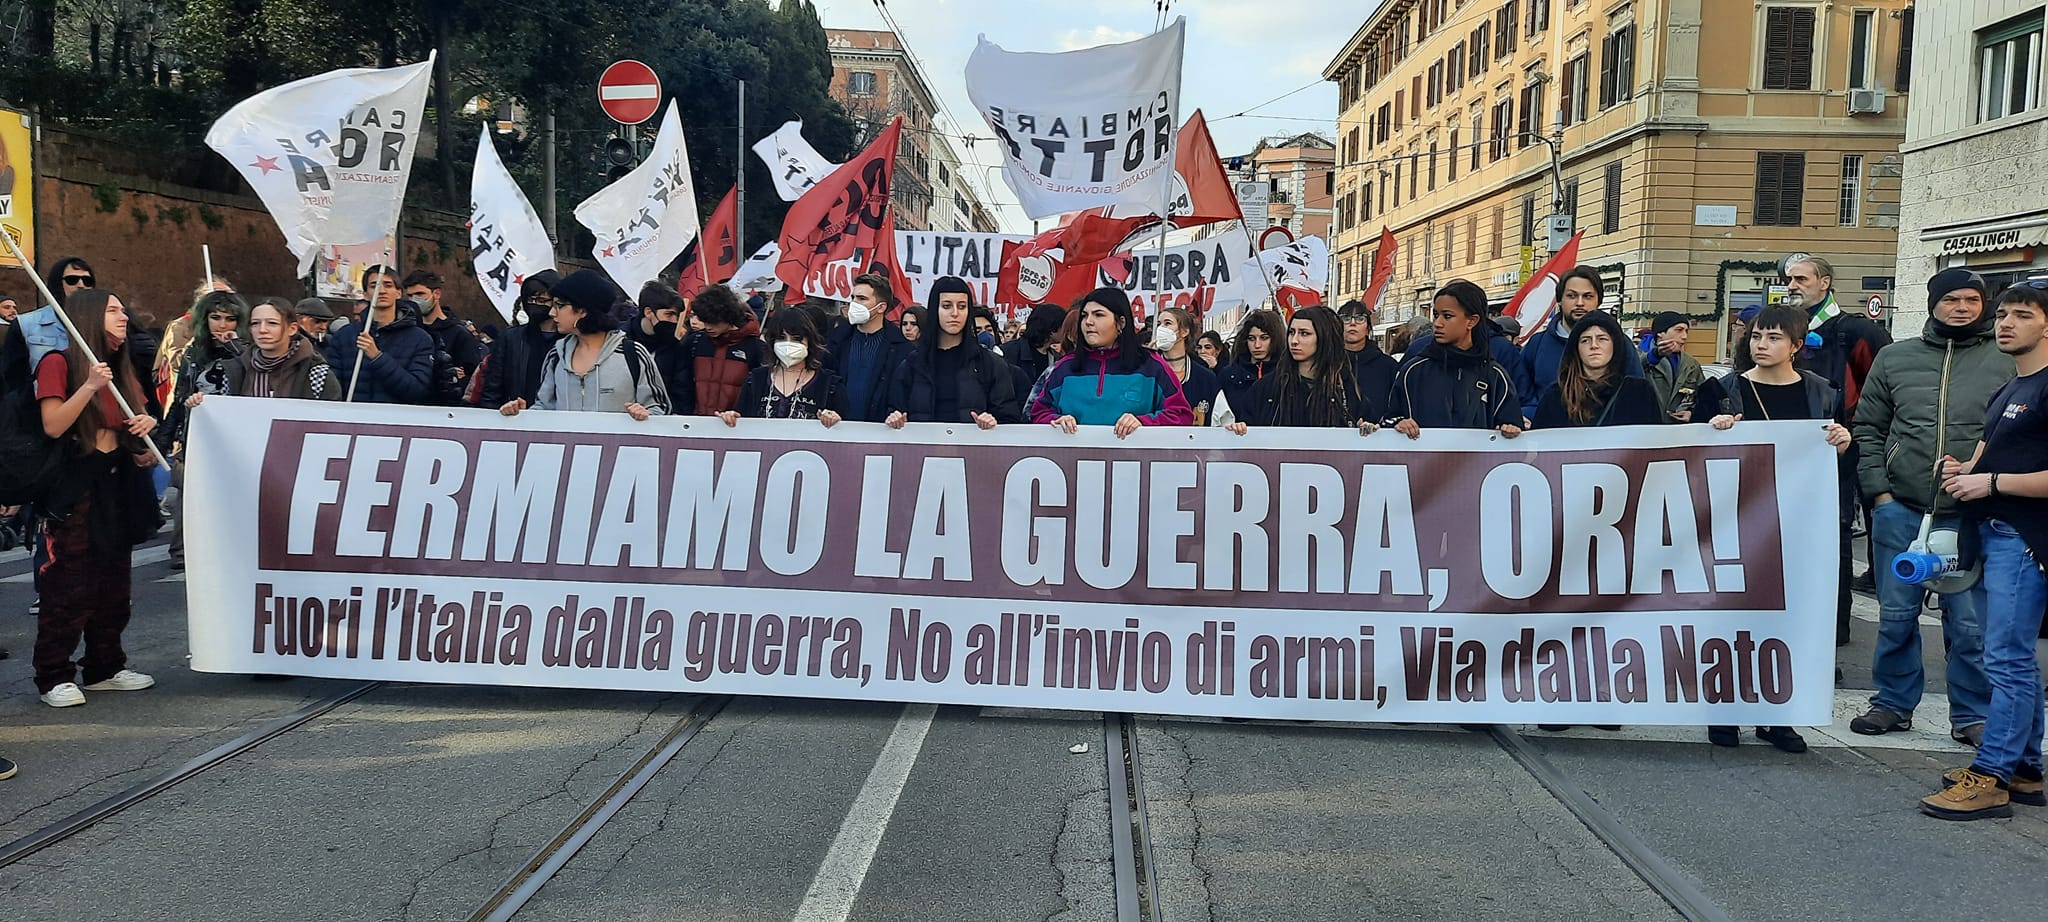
<point x="1256" y="261"/>
<point x="206" y="255"/>
<point x="370" y="322"/>
<point x="50" y="300"/>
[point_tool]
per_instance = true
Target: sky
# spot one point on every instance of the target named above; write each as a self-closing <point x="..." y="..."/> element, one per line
<point x="1240" y="55"/>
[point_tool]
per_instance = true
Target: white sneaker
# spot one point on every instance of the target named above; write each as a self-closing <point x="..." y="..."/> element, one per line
<point x="66" y="695"/>
<point x="125" y="680"/>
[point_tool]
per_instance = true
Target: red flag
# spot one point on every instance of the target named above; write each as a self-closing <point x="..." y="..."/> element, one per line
<point x="1538" y="297"/>
<point x="1382" y="271"/>
<point x="1210" y="197"/>
<point x="719" y="243"/>
<point x="847" y="216"/>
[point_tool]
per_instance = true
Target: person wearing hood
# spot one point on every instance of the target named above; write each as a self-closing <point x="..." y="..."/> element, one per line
<point x="951" y="377"/>
<point x="707" y="369"/>
<point x="1261" y="338"/>
<point x="1112" y="379"/>
<point x="1925" y="398"/>
<point x="1173" y="337"/>
<point x="1315" y="385"/>
<point x="1036" y="349"/>
<point x="397" y="355"/>
<point x="1454" y="381"/>
<point x="797" y="385"/>
<point x="1675" y="375"/>
<point x="512" y="370"/>
<point x="1593" y="387"/>
<point x="451" y="336"/>
<point x="593" y="367"/>
<point x="866" y="350"/>
<point x="1373" y="368"/>
<point x="1578" y="293"/>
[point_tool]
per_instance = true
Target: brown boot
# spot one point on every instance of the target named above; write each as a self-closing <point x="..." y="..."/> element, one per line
<point x="2022" y="790"/>
<point x="1974" y="796"/>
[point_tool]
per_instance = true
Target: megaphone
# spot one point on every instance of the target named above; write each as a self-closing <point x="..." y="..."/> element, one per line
<point x="1934" y="560"/>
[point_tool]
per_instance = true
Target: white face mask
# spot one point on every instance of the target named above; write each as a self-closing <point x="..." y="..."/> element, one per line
<point x="1164" y="337"/>
<point x="790" y="352"/>
<point x="857" y="313"/>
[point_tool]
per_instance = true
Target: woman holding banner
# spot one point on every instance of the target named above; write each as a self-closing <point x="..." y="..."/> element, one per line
<point x="594" y="364"/>
<point x="950" y="377"/>
<point x="99" y="511"/>
<point x="1173" y="334"/>
<point x="1111" y="380"/>
<point x="1593" y="387"/>
<point x="1259" y="340"/>
<point x="1314" y="386"/>
<point x="1453" y="382"/>
<point x="797" y="385"/>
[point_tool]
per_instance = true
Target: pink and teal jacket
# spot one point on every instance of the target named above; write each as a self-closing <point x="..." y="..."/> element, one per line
<point x="1098" y="386"/>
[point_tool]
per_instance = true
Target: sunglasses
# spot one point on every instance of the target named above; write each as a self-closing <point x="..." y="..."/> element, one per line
<point x="83" y="280"/>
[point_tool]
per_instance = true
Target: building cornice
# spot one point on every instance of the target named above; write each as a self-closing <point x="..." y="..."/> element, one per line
<point x="1367" y="31"/>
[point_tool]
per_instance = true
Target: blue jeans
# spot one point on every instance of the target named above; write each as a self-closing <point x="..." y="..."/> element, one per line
<point x="2015" y="591"/>
<point x="1898" y="667"/>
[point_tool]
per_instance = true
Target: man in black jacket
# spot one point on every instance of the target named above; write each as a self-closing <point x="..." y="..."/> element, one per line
<point x="513" y="369"/>
<point x="1033" y="351"/>
<point x="867" y="349"/>
<point x="451" y="336"/>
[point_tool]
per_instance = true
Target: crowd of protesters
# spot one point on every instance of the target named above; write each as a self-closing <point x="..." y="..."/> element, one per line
<point x="1947" y="426"/>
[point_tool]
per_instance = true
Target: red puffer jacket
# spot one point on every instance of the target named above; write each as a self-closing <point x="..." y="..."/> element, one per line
<point x="706" y="372"/>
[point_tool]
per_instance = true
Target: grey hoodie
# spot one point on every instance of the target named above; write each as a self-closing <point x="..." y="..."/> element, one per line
<point x="610" y="385"/>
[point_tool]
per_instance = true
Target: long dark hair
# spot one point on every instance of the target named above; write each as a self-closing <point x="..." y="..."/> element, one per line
<point x="1581" y="392"/>
<point x="204" y="348"/>
<point x="1267" y="321"/>
<point x="929" y="331"/>
<point x="1216" y="339"/>
<point x="795" y="321"/>
<point x="1130" y="353"/>
<point x="1329" y="382"/>
<point x="87" y="309"/>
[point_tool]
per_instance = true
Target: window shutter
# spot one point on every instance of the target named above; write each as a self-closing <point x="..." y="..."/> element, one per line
<point x="1904" y="79"/>
<point x="1625" y="64"/>
<point x="1607" y="46"/>
<point x="1565" y="100"/>
<point x="1611" y="211"/>
<point x="1768" y="177"/>
<point x="1788" y="48"/>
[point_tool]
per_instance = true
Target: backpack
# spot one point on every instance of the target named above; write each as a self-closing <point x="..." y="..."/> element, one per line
<point x="31" y="463"/>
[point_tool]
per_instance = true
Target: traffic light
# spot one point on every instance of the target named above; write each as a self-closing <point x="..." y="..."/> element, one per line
<point x="618" y="157"/>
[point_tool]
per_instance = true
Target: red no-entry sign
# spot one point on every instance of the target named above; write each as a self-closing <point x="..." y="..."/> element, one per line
<point x="629" y="92"/>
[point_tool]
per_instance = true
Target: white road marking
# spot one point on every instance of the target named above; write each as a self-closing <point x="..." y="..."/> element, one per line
<point x="832" y="892"/>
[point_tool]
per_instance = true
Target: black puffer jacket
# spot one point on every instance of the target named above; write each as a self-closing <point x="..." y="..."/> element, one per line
<point x="1445" y="388"/>
<point x="514" y="366"/>
<point x="986" y="383"/>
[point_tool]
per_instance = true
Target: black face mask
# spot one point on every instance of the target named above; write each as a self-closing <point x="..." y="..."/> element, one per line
<point x="1979" y="327"/>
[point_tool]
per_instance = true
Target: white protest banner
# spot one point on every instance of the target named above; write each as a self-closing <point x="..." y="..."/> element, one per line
<point x="329" y="155"/>
<point x="795" y="165"/>
<point x="1198" y="276"/>
<point x="1087" y="128"/>
<point x="1637" y="574"/>
<point x="507" y="242"/>
<point x="646" y="218"/>
<point x="926" y="256"/>
<point x="758" y="272"/>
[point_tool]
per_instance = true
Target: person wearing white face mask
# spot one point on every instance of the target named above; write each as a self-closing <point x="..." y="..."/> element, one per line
<point x="1173" y="332"/>
<point x="866" y="350"/>
<point x="796" y="385"/>
<point x="952" y="378"/>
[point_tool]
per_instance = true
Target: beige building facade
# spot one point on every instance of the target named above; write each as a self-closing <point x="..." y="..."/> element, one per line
<point x="1697" y="142"/>
<point x="1974" y="185"/>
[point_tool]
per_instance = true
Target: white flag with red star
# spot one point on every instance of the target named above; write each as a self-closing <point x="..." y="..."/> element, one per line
<point x="329" y="155"/>
<point x="648" y="216"/>
<point x="506" y="239"/>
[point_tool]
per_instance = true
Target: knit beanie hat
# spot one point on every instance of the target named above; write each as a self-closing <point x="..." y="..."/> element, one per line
<point x="1666" y="321"/>
<point x="1948" y="280"/>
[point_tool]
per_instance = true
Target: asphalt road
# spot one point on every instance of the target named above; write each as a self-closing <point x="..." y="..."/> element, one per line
<point x="419" y="802"/>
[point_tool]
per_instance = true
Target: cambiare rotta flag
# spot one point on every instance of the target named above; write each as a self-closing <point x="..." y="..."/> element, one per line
<point x="795" y="165"/>
<point x="1087" y="128"/>
<point x="646" y="218"/>
<point x="507" y="242"/>
<point x="329" y="155"/>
